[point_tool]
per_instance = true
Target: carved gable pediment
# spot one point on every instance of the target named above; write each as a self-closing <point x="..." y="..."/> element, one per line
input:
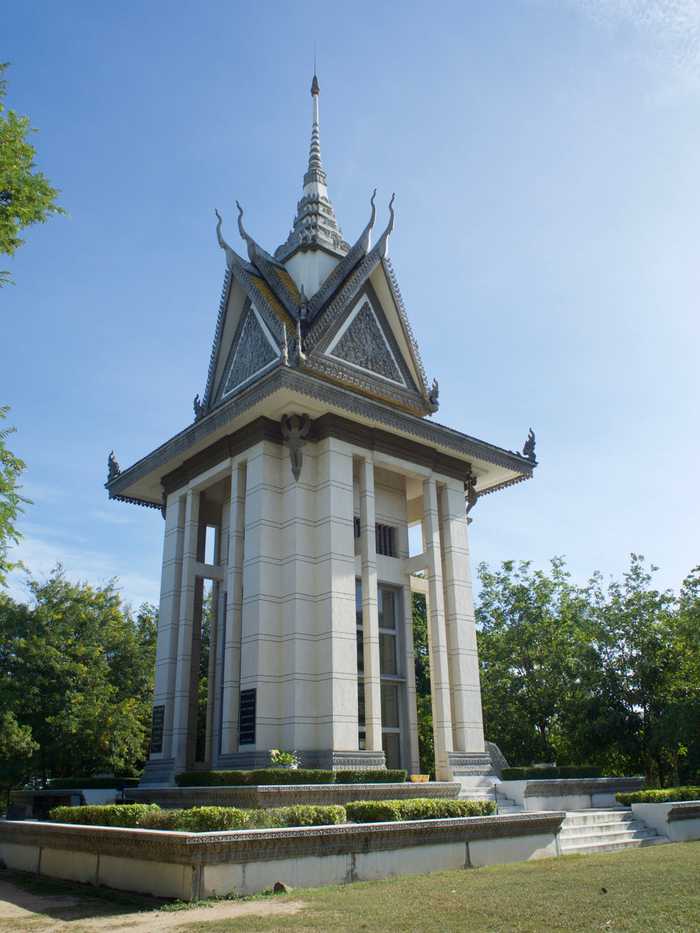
<point x="362" y="342"/>
<point x="253" y="351"/>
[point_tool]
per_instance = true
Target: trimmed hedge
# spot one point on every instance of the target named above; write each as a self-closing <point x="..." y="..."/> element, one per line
<point x="664" y="795"/>
<point x="198" y="819"/>
<point x="250" y="778"/>
<point x="129" y="815"/>
<point x="385" y="776"/>
<point x="92" y="783"/>
<point x="420" y="808"/>
<point x="535" y="774"/>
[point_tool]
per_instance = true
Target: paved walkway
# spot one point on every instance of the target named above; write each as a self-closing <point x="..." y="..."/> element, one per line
<point x="22" y="910"/>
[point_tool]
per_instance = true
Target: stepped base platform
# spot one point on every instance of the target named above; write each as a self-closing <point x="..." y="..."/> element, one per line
<point x="190" y="866"/>
<point x="286" y="795"/>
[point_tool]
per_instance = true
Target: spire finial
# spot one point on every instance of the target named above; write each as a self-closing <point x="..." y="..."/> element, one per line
<point x="314" y="223"/>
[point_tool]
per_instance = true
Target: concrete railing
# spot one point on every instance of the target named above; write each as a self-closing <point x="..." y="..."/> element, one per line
<point x="679" y="821"/>
<point x="195" y="865"/>
<point x="568" y="793"/>
<point x="285" y="795"/>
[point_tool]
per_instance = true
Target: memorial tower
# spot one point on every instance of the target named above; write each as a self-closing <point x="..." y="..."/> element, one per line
<point x="288" y="503"/>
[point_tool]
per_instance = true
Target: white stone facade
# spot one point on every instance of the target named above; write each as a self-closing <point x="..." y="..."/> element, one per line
<point x="287" y="570"/>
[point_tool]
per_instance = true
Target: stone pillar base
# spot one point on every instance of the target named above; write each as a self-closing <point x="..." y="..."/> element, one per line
<point x="470" y="764"/>
<point x="159" y="771"/>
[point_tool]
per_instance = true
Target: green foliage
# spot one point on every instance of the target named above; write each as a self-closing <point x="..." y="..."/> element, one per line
<point x="281" y="757"/>
<point x="387" y="776"/>
<point x="128" y="815"/>
<point x="419" y="808"/>
<point x="665" y="795"/>
<point x="11" y="468"/>
<point x="26" y="197"/>
<point x="198" y="819"/>
<point x="250" y="778"/>
<point x="92" y="783"/>
<point x="540" y="774"/>
<point x="424" y="706"/>
<point x="16" y="750"/>
<point x="607" y="675"/>
<point x="77" y="667"/>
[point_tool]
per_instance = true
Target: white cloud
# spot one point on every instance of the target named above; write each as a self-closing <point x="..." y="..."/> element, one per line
<point x="669" y="30"/>
<point x="40" y="556"/>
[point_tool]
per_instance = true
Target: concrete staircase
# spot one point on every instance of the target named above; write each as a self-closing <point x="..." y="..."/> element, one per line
<point x="485" y="787"/>
<point x="588" y="831"/>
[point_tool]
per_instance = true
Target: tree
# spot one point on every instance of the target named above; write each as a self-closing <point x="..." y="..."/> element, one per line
<point x="26" y="196"/>
<point x="647" y="644"/>
<point x="11" y="468"/>
<point x="77" y="667"/>
<point x="16" y="750"/>
<point x="534" y="647"/>
<point x="424" y="707"/>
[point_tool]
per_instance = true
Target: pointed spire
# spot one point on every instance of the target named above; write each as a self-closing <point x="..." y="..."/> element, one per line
<point x="314" y="225"/>
<point x="315" y="174"/>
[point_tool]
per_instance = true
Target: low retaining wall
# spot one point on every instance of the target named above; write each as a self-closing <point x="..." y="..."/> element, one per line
<point x="195" y="865"/>
<point x="679" y="821"/>
<point x="568" y="793"/>
<point x="286" y="795"/>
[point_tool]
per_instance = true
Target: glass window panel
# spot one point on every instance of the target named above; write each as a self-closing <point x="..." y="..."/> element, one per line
<point x="387" y="654"/>
<point x="391" y="743"/>
<point x="360" y="652"/>
<point x="361" y="704"/>
<point x="358" y="601"/>
<point x="390" y="706"/>
<point x="387" y="608"/>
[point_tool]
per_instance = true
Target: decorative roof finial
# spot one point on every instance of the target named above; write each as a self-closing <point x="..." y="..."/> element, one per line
<point x="529" y="447"/>
<point x="383" y="243"/>
<point x="113" y="468"/>
<point x="315" y="89"/>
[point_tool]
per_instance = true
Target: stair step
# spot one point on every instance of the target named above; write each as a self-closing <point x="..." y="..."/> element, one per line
<point x="596" y="817"/>
<point x="586" y="829"/>
<point x="603" y="846"/>
<point x="626" y="835"/>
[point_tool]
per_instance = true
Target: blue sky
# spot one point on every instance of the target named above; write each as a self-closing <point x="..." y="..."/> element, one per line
<point x="544" y="154"/>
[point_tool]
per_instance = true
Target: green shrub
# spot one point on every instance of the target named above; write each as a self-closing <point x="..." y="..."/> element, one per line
<point x="251" y="778"/>
<point x="92" y="783"/>
<point x="116" y="814"/>
<point x="385" y="776"/>
<point x="665" y="795"/>
<point x="198" y="819"/>
<point x="420" y="808"/>
<point x="541" y="774"/>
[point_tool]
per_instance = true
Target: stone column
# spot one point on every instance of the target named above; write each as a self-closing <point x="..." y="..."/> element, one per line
<point x="370" y="615"/>
<point x="333" y="653"/>
<point x="183" y="678"/>
<point x="168" y="618"/>
<point x="465" y="691"/>
<point x="439" y="669"/>
<point x="232" y="623"/>
<point x="411" y="732"/>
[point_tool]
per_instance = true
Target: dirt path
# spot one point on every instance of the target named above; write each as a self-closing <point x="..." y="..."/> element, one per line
<point x="21" y="910"/>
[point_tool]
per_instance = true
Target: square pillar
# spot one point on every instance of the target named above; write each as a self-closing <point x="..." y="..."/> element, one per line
<point x="370" y="614"/>
<point x="465" y="689"/>
<point x="232" y="616"/>
<point x="183" y="679"/>
<point x="159" y="766"/>
<point x="437" y="635"/>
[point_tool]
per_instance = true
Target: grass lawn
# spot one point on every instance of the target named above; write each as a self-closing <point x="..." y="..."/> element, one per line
<point x="651" y="889"/>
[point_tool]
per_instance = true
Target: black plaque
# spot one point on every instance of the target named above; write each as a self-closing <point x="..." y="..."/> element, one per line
<point x="157" y="724"/>
<point x="246" y="718"/>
